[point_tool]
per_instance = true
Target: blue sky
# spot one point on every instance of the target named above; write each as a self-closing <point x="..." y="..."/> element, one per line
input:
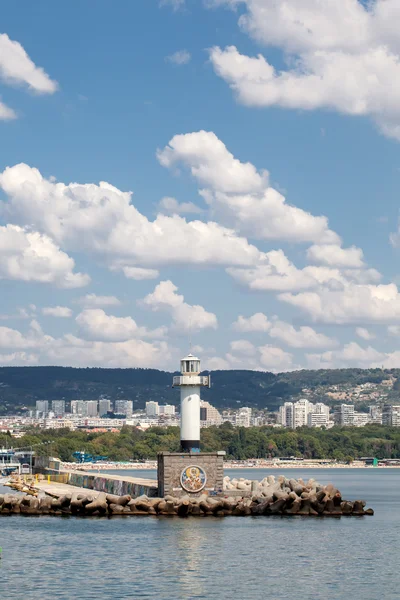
<point x="261" y="148"/>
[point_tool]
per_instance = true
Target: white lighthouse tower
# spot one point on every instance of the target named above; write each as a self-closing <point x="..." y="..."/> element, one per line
<point x="190" y="381"/>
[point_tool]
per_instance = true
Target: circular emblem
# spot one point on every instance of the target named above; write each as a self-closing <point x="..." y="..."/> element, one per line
<point x="193" y="478"/>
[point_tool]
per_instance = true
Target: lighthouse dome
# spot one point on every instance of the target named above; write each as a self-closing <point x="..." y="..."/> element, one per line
<point x="190" y="365"/>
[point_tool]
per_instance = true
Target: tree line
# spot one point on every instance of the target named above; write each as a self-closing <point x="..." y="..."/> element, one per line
<point x="130" y="443"/>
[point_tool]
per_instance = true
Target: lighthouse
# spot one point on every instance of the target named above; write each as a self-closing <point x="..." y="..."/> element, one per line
<point x="190" y="381"/>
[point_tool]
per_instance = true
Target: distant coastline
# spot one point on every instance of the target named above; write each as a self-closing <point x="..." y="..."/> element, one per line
<point x="152" y="465"/>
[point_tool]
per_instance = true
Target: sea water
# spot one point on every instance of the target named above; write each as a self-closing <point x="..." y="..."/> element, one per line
<point x="356" y="558"/>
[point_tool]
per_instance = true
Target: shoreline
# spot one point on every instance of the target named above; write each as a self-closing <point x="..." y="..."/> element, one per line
<point x="228" y="465"/>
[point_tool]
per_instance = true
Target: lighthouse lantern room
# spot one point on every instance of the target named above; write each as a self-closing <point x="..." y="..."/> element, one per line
<point x="190" y="381"/>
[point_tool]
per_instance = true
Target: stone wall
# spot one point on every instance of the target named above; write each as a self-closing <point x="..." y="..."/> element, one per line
<point x="171" y="466"/>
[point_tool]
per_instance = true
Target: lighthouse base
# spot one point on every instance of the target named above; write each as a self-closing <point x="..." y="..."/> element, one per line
<point x="192" y="473"/>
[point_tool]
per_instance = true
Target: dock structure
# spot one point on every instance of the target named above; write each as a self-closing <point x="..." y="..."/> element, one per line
<point x="119" y="485"/>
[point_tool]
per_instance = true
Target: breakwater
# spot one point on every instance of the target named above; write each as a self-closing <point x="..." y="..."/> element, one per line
<point x="269" y="497"/>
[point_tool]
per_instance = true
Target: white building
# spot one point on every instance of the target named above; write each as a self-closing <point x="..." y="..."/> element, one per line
<point x="304" y="413"/>
<point x="124" y="407"/>
<point x="42" y="406"/>
<point x="243" y="417"/>
<point x="77" y="407"/>
<point x="91" y="408"/>
<point x="346" y="416"/>
<point x="152" y="409"/>
<point x="104" y="406"/>
<point x="166" y="409"/>
<point x="58" y="407"/>
<point x="391" y="415"/>
<point x="209" y="415"/>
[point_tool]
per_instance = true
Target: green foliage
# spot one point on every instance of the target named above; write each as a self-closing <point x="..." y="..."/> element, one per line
<point x="20" y="387"/>
<point x="342" y="443"/>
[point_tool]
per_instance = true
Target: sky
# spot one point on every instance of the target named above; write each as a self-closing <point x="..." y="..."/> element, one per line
<point x="214" y="175"/>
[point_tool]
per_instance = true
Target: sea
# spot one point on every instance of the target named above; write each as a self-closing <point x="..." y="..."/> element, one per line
<point x="277" y="558"/>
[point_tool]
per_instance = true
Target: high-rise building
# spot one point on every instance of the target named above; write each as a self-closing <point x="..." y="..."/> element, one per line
<point x="166" y="409"/>
<point x="209" y="415"/>
<point x="124" y="407"/>
<point x="346" y="416"/>
<point x="58" y="408"/>
<point x="91" y="408"/>
<point x="304" y="413"/>
<point x="243" y="417"/>
<point x="152" y="409"/>
<point x="78" y="407"/>
<point x="42" y="406"/>
<point x="391" y="415"/>
<point x="104" y="406"/>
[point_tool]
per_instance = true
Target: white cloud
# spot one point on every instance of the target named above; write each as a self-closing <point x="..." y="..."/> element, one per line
<point x="57" y="311"/>
<point x="239" y="194"/>
<point x="352" y="304"/>
<point x="74" y="351"/>
<point x="180" y="57"/>
<point x="139" y="273"/>
<point x="31" y="256"/>
<point x="94" y="300"/>
<point x="170" y="205"/>
<point x="12" y="339"/>
<point x="333" y="255"/>
<point x="350" y="355"/>
<point x="340" y="56"/>
<point x="17" y="68"/>
<point x="96" y="325"/>
<point x="243" y="347"/>
<point x="102" y="220"/>
<point x="304" y="337"/>
<point x="365" y="334"/>
<point x="256" y="323"/>
<point x="6" y="113"/>
<point x="18" y="359"/>
<point x="70" y="350"/>
<point x="185" y="317"/>
<point x="275" y="359"/>
<point x="394" y="330"/>
<point x="277" y="273"/>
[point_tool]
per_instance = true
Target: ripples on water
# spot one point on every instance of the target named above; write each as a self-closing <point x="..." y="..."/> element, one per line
<point x="50" y="558"/>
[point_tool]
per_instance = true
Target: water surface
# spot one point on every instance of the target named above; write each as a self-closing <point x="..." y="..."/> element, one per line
<point x="279" y="558"/>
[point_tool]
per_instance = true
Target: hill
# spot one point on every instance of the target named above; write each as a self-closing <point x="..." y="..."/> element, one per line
<point x="20" y="387"/>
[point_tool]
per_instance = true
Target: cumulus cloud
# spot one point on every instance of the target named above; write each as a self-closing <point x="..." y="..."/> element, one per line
<point x="333" y="255"/>
<point x="340" y="56"/>
<point x="394" y="330"/>
<point x="243" y="347"/>
<point x="170" y="205"/>
<point x="70" y="350"/>
<point x="102" y="220"/>
<point x="96" y="325"/>
<point x="277" y="273"/>
<point x="139" y="273"/>
<point x="180" y="57"/>
<point x="256" y="323"/>
<point x="186" y="317"/>
<point x="304" y="337"/>
<point x="352" y="304"/>
<point x="94" y="300"/>
<point x="364" y="334"/>
<point x="239" y="194"/>
<point x="16" y="68"/>
<point x="31" y="256"/>
<point x="6" y="113"/>
<point x="57" y="311"/>
<point x="350" y="355"/>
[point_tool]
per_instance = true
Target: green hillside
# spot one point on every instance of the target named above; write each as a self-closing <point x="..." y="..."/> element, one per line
<point x="20" y="387"/>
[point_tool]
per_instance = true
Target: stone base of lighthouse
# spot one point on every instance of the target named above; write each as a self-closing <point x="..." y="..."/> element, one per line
<point x="192" y="473"/>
